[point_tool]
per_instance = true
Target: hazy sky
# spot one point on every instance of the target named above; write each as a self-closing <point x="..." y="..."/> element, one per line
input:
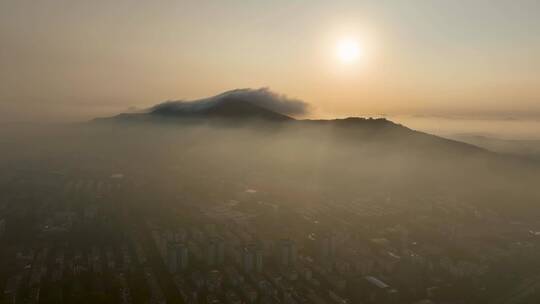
<point x="74" y="59"/>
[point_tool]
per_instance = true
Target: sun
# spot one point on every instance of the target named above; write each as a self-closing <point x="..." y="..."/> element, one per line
<point x="348" y="50"/>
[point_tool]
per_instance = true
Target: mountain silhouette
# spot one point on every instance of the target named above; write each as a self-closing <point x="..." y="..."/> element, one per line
<point x="228" y="107"/>
<point x="337" y="153"/>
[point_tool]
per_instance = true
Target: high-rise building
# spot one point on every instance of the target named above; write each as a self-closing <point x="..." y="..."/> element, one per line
<point x="259" y="259"/>
<point x="287" y="253"/>
<point x="220" y="251"/>
<point x="252" y="258"/>
<point x="211" y="252"/>
<point x="248" y="259"/>
<point x="172" y="262"/>
<point x="215" y="251"/>
<point x="161" y="244"/>
<point x="328" y="247"/>
<point x="182" y="256"/>
<point x="177" y="257"/>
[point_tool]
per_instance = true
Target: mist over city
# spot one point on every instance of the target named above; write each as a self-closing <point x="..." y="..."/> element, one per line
<point x="289" y="152"/>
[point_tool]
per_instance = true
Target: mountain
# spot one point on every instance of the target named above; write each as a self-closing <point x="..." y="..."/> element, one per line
<point x="259" y="109"/>
<point x="252" y="138"/>
<point x="227" y="108"/>
<point x="235" y="105"/>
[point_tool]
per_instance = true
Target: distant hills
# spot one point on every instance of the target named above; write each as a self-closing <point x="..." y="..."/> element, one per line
<point x="520" y="147"/>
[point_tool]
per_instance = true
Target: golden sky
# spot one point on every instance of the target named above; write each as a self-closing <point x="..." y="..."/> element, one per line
<point x="73" y="60"/>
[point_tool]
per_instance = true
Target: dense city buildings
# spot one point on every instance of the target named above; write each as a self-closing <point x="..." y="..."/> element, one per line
<point x="160" y="219"/>
<point x="98" y="249"/>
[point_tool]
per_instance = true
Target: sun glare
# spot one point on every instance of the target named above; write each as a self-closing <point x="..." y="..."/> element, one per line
<point x="348" y="50"/>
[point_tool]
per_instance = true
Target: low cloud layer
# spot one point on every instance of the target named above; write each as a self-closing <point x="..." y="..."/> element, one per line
<point x="262" y="97"/>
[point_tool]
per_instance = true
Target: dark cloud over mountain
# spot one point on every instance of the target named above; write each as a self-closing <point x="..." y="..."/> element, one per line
<point x="262" y="97"/>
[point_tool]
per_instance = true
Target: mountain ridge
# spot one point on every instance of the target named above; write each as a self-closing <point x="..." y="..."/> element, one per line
<point x="230" y="111"/>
